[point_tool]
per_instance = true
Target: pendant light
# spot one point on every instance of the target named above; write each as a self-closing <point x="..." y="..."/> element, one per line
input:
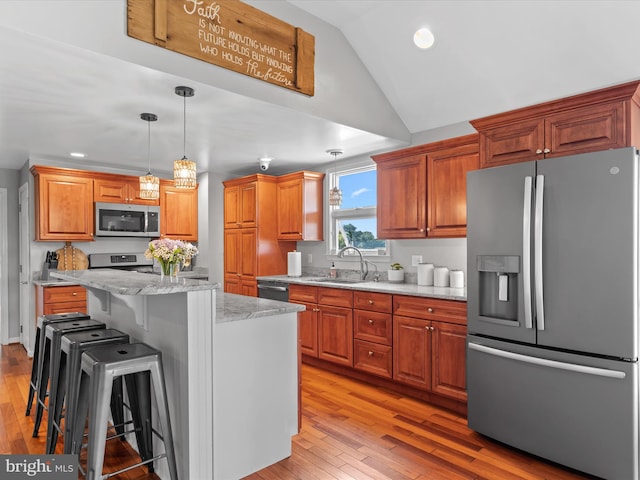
<point x="149" y="184"/>
<point x="184" y="170"/>
<point x="335" y="194"/>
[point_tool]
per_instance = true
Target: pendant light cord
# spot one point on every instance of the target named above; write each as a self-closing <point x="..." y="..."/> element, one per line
<point x="149" y="146"/>
<point x="184" y="128"/>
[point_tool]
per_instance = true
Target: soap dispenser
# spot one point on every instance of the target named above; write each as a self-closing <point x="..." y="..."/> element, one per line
<point x="333" y="273"/>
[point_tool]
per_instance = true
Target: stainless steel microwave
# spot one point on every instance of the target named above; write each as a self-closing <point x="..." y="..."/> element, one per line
<point x="127" y="220"/>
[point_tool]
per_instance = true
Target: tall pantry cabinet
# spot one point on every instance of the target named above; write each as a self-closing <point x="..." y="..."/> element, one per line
<point x="251" y="243"/>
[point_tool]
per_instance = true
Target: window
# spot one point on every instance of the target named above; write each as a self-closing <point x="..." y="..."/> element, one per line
<point x="354" y="222"/>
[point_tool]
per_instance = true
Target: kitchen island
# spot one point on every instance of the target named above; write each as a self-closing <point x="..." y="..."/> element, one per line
<point x="230" y="365"/>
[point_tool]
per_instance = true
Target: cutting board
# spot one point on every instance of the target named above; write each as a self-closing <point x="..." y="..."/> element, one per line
<point x="72" y="258"/>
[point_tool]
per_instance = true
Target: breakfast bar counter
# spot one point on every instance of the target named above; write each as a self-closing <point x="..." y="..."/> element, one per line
<point x="230" y="366"/>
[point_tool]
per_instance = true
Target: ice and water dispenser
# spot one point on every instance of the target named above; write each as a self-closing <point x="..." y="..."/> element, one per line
<point x="498" y="285"/>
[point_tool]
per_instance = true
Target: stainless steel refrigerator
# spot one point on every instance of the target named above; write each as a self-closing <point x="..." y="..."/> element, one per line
<point x="552" y="348"/>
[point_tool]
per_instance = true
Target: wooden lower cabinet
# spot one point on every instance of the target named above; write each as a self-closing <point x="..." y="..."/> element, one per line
<point x="429" y="345"/>
<point x="60" y="299"/>
<point x="326" y="326"/>
<point x="414" y="345"/>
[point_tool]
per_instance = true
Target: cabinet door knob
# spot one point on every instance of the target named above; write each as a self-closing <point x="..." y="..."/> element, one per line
<point x="539" y="151"/>
<point x="546" y="150"/>
<point x="370" y="353"/>
<point x="75" y="293"/>
<point x="370" y="302"/>
<point x="430" y="310"/>
<point x="422" y="229"/>
<point x="370" y="322"/>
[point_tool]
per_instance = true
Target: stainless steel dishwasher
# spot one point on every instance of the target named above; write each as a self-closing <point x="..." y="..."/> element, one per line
<point x="273" y="290"/>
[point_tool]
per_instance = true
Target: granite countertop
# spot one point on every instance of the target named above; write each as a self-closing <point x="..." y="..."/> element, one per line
<point x="53" y="282"/>
<point x="231" y="307"/>
<point x="445" y="293"/>
<point x="131" y="283"/>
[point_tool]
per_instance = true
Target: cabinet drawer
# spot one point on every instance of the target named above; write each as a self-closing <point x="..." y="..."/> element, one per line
<point x="377" y="302"/>
<point x="450" y="311"/>
<point x="303" y="293"/>
<point x="373" y="358"/>
<point x="372" y="326"/>
<point x="335" y="297"/>
<point x="66" y="307"/>
<point x="69" y="293"/>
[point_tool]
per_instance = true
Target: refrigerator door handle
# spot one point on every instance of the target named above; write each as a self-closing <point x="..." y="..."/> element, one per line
<point x="526" y="252"/>
<point x="537" y="241"/>
<point x="572" y="367"/>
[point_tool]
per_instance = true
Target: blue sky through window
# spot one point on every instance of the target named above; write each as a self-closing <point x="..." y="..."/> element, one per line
<point x="359" y="190"/>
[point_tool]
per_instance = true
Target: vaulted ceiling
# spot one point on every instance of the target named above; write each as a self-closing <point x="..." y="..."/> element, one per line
<point x="70" y="79"/>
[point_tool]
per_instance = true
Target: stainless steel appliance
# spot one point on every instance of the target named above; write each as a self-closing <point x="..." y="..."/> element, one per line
<point x="552" y="349"/>
<point x="273" y="290"/>
<point x="123" y="261"/>
<point x="127" y="220"/>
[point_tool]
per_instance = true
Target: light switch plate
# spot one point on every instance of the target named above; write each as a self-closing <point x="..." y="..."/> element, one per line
<point x="415" y="260"/>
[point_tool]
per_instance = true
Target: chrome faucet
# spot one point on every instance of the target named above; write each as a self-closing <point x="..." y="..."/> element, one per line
<point x="364" y="269"/>
<point x="376" y="274"/>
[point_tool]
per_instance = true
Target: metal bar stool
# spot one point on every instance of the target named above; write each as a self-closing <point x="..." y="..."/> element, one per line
<point x="72" y="346"/>
<point x="38" y="359"/>
<point x="138" y="362"/>
<point x="51" y="359"/>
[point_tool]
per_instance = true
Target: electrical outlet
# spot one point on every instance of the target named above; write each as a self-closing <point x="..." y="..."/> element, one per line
<point x="309" y="258"/>
<point x="415" y="260"/>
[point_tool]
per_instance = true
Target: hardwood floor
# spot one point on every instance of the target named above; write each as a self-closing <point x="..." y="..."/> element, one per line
<point x="349" y="431"/>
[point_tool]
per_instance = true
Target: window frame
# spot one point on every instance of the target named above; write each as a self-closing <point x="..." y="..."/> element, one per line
<point x="333" y="174"/>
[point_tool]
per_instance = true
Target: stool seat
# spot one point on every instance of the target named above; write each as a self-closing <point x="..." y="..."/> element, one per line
<point x="139" y="363"/>
<point x="36" y="367"/>
<point x="51" y="360"/>
<point x="72" y="345"/>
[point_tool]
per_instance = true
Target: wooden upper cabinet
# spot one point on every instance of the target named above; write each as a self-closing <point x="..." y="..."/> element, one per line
<point x="402" y="197"/>
<point x="299" y="206"/>
<point x="447" y="189"/>
<point x="119" y="189"/>
<point x="589" y="122"/>
<point x="63" y="204"/>
<point x="422" y="189"/>
<point x="178" y="212"/>
<point x="240" y="205"/>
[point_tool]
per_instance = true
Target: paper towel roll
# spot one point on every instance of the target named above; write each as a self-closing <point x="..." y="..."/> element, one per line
<point x="441" y="277"/>
<point x="294" y="264"/>
<point x="456" y="279"/>
<point x="425" y="274"/>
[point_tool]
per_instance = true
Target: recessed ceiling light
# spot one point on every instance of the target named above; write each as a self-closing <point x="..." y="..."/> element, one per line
<point x="423" y="38"/>
<point x="77" y="154"/>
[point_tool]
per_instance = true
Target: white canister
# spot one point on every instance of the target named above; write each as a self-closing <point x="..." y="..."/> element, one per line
<point x="425" y="274"/>
<point x="440" y="277"/>
<point x="456" y="279"/>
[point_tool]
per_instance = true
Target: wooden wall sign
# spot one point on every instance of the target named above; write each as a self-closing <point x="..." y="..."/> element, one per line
<point x="230" y="34"/>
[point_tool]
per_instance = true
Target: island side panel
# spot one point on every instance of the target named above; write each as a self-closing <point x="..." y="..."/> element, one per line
<point x="180" y="326"/>
<point x="256" y="393"/>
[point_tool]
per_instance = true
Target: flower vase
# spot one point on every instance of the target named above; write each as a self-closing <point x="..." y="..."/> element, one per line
<point x="168" y="269"/>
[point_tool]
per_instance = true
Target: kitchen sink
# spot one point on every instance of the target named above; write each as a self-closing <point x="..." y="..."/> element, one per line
<point x="341" y="280"/>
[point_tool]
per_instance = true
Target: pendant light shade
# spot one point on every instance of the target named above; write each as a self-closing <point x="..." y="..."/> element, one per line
<point x="149" y="184"/>
<point x="184" y="170"/>
<point x="335" y="194"/>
